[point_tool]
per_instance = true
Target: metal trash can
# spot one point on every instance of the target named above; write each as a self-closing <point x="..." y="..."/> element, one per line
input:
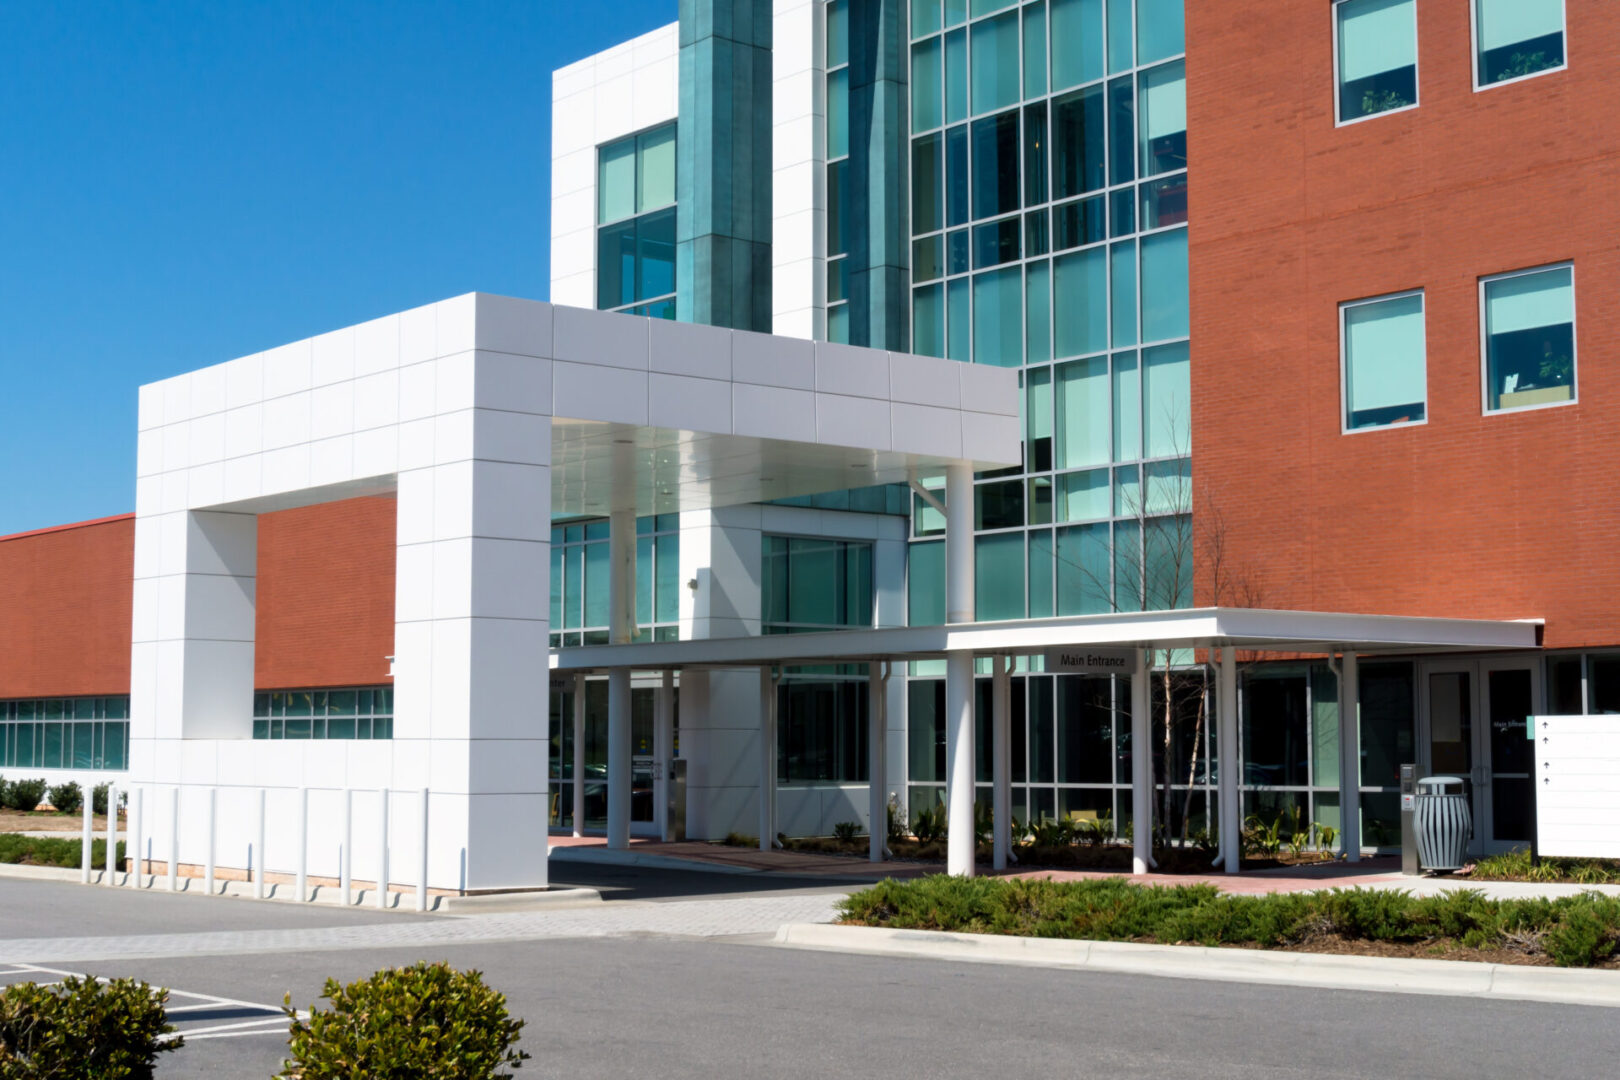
<point x="1444" y="823"/>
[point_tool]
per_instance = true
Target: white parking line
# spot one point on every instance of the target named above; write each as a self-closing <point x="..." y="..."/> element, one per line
<point x="273" y="1022"/>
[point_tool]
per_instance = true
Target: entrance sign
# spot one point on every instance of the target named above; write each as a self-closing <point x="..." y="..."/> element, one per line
<point x="1081" y="660"/>
<point x="1577" y="782"/>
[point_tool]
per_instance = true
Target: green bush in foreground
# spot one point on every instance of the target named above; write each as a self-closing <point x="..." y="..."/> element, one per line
<point x="82" y="1028"/>
<point x="66" y="798"/>
<point x="53" y="851"/>
<point x="427" y="1021"/>
<point x="1576" y="931"/>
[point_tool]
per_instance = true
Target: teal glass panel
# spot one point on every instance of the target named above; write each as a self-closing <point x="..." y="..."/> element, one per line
<point x="813" y="567"/>
<point x="838" y="113"/>
<point x="995" y="165"/>
<point x="1039" y="500"/>
<point x="957" y="252"/>
<point x="1082" y="496"/>
<point x="837" y="33"/>
<point x="956" y="175"/>
<point x="341" y="703"/>
<point x="117" y="708"/>
<point x="927" y="185"/>
<point x="1122" y="118"/>
<point x="1040" y="574"/>
<point x="666" y="578"/>
<point x="1127" y="566"/>
<point x="596" y="584"/>
<point x="1037" y="312"/>
<point x="1384" y="362"/>
<point x="998" y="318"/>
<point x="556" y="586"/>
<point x="773" y="589"/>
<point x="85" y="708"/>
<point x="956" y="76"/>
<point x="1121" y="212"/>
<point x="1167" y="573"/>
<point x="958" y="312"/>
<point x="1167" y="400"/>
<point x="1164" y="285"/>
<point x="1077" y="42"/>
<point x="928" y="258"/>
<point x="925" y="583"/>
<point x="1083" y="221"/>
<point x="928" y="321"/>
<point x="84" y="743"/>
<point x="574" y="589"/>
<point x="655" y="171"/>
<point x="1161" y="108"/>
<point x="995" y="76"/>
<point x="1530" y="339"/>
<point x="1035" y="50"/>
<point x="986" y="7"/>
<point x="838" y="324"/>
<point x="956" y="12"/>
<point x="616" y="181"/>
<point x="53" y="747"/>
<point x="1084" y="586"/>
<point x="999" y="576"/>
<point x="1122" y="274"/>
<point x="1119" y="35"/>
<point x="116" y="755"/>
<point x="1079" y="150"/>
<point x="1159" y="30"/>
<point x="997" y="242"/>
<point x="926" y="106"/>
<point x="1081" y="320"/>
<point x="1035" y="154"/>
<point x="1377" y="42"/>
<point x="1083" y="409"/>
<point x="1168" y="486"/>
<point x="836" y="288"/>
<point x="1128" y="491"/>
<point x="838" y="195"/>
<point x="644" y="580"/>
<point x="924" y="17"/>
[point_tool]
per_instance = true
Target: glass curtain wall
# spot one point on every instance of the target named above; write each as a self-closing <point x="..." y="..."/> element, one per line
<point x="837" y="151"/>
<point x="65" y="733"/>
<point x="635" y="216"/>
<point x="1049" y="233"/>
<point x="579" y="581"/>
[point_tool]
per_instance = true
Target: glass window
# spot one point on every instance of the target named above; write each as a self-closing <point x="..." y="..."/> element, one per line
<point x="1530" y="339"/>
<point x="956" y="76"/>
<point x="1121" y="55"/>
<point x="1127" y="409"/>
<point x="999" y="575"/>
<point x="928" y="321"/>
<point x="1040" y="574"/>
<point x="1603" y="686"/>
<point x="925" y="586"/>
<point x="1167" y="400"/>
<point x="1122" y="274"/>
<point x="1276" y="751"/>
<point x="928" y="258"/>
<point x="1164" y="285"/>
<point x="1038" y="329"/>
<point x="1078" y="153"/>
<point x="995" y="63"/>
<point x="998" y="316"/>
<point x="1164" y="202"/>
<point x="1515" y="38"/>
<point x="1082" y="496"/>
<point x="837" y="33"/>
<point x="1385" y="374"/>
<point x="957" y="252"/>
<point x="838" y="113"/>
<point x="1377" y="51"/>
<point x="655" y="168"/>
<point x="999" y="505"/>
<point x="1162" y="113"/>
<point x="1035" y="150"/>
<point x="810" y="581"/>
<point x="995" y="165"/>
<point x="1081" y="222"/>
<point x="1035" y="50"/>
<point x="1158" y="29"/>
<point x="926" y="106"/>
<point x="1083" y="408"/>
<point x="956" y="175"/>
<point x="616" y="181"/>
<point x="1081" y="279"/>
<point x="924" y="17"/>
<point x="1122" y="117"/>
<point x="1084" y="586"/>
<point x="958" y="317"/>
<point x="1077" y="42"/>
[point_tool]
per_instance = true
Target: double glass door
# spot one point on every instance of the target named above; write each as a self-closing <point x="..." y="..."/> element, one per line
<point x="1474" y="717"/>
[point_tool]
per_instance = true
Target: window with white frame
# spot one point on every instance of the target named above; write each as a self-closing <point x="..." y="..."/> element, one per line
<point x="1376" y="55"/>
<point x="1529" y="338"/>
<point x="635" y="214"/>
<point x="1385" y="365"/>
<point x="1517" y="38"/>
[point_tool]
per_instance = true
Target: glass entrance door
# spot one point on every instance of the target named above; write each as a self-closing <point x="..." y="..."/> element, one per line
<point x="1473" y="717"/>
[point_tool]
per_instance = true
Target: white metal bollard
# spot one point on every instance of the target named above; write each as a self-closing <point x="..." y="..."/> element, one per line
<point x="112" y="831"/>
<point x="174" y="839"/>
<point x="208" y="865"/>
<point x="382" y="855"/>
<point x="421" y="880"/>
<point x="346" y="856"/>
<point x="258" y="853"/>
<point x="137" y="835"/>
<point x="303" y="846"/>
<point x="88" y="842"/>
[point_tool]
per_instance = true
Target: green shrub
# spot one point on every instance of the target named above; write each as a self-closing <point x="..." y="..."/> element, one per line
<point x="82" y="1028"/>
<point x="424" y="1021"/>
<point x="98" y="798"/>
<point x="737" y="839"/>
<point x="67" y="798"/>
<point x="53" y="851"/>
<point x="24" y="795"/>
<point x="1516" y="865"/>
<point x="930" y="825"/>
<point x="847" y="830"/>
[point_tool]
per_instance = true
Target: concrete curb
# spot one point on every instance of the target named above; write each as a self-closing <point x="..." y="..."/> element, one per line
<point x="635" y="858"/>
<point x="1388" y="974"/>
<point x="527" y="900"/>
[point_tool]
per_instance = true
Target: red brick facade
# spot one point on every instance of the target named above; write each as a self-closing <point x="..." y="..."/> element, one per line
<point x="325" y="602"/>
<point x="1487" y="516"/>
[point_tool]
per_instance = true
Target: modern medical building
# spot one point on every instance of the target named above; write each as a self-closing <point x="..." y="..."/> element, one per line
<point x="1089" y="409"/>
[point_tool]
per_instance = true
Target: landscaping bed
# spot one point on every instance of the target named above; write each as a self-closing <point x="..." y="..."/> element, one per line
<point x="1517" y="866"/>
<point x="1577" y="931"/>
<point x="50" y="851"/>
<point x="1037" y="856"/>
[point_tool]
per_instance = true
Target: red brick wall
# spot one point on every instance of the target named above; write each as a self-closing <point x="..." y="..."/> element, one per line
<point x="65" y="609"/>
<point x="1503" y="516"/>
<point x="325" y="595"/>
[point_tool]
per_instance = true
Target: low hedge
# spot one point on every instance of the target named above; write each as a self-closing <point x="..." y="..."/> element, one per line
<point x="83" y="1029"/>
<point x="1577" y="931"/>
<point x="54" y="851"/>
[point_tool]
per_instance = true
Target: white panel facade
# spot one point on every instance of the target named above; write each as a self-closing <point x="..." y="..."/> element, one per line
<point x="799" y="169"/>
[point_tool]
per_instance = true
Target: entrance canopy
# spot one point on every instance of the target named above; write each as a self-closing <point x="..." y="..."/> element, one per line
<point x="1200" y="628"/>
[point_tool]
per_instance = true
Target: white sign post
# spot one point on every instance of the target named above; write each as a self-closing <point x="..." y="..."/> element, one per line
<point x="1577" y="782"/>
<point x="1083" y="660"/>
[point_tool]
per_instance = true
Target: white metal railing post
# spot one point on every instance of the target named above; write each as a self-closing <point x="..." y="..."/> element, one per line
<point x="422" y="878"/>
<point x="258" y="852"/>
<point x="88" y="841"/>
<point x="112" y="831"/>
<point x="346" y="856"/>
<point x="382" y="854"/>
<point x="302" y="888"/>
<point x="213" y="833"/>
<point x="137" y="835"/>
<point x="174" y="839"/>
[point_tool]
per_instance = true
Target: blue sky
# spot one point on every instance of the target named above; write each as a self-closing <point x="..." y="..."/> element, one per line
<point x="183" y="183"/>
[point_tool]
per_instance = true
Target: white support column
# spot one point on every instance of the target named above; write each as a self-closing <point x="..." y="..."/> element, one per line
<point x="301" y="889"/>
<point x="767" y="759"/>
<point x="213" y="841"/>
<point x="621" y="628"/>
<point x="959" y="608"/>
<point x="137" y="836"/>
<point x="112" y="831"/>
<point x="259" y="879"/>
<point x="663" y="752"/>
<point x="422" y="864"/>
<point x="346" y="858"/>
<point x="877" y="763"/>
<point x="87" y="839"/>
<point x="579" y="755"/>
<point x="1350" y="757"/>
<point x="174" y="840"/>
<point x="1230" y="769"/>
<point x="382" y="848"/>
<point x="1001" y="760"/>
<point x="1141" y="768"/>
